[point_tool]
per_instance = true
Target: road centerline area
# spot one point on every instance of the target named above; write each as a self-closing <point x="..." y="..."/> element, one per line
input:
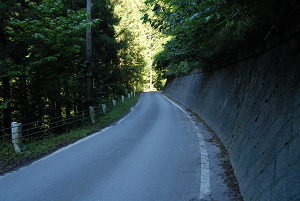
<point x="150" y="154"/>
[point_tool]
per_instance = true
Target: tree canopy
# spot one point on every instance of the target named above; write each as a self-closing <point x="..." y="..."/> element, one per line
<point x="207" y="31"/>
<point x="43" y="64"/>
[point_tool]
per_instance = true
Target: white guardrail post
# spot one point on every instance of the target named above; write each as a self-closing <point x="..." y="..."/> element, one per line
<point x="128" y="96"/>
<point x="16" y="134"/>
<point x="92" y="114"/>
<point x="104" y="108"/>
<point x="114" y="103"/>
<point x="122" y="97"/>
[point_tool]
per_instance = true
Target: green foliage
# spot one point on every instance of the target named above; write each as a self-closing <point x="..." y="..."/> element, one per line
<point x="107" y="75"/>
<point x="212" y="30"/>
<point x="42" y="66"/>
<point x="4" y="106"/>
<point x="132" y="38"/>
<point x="135" y="39"/>
<point x="52" y="34"/>
<point x="183" y="67"/>
<point x="42" y="56"/>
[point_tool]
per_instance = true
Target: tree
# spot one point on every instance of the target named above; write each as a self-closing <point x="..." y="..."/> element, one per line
<point x="51" y="63"/>
<point x="10" y="59"/>
<point x="211" y="30"/>
<point x="135" y="54"/>
<point x="89" y="54"/>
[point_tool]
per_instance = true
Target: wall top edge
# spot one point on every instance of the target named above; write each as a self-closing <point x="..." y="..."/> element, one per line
<point x="272" y="41"/>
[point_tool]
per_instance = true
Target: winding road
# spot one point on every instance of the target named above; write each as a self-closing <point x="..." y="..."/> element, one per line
<point x="156" y="152"/>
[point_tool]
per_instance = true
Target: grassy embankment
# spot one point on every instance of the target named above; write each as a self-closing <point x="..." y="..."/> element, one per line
<point x="9" y="160"/>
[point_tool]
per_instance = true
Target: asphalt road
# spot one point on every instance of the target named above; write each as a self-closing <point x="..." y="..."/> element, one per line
<point x="156" y="152"/>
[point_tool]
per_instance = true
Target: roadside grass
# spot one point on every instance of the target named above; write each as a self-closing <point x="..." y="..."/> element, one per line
<point x="37" y="148"/>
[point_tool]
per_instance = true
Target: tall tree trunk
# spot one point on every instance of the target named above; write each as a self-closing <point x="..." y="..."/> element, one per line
<point x="58" y="110"/>
<point x="52" y="113"/>
<point x="67" y="104"/>
<point x="24" y="100"/>
<point x="89" y="56"/>
<point x="6" y="95"/>
<point x="67" y="99"/>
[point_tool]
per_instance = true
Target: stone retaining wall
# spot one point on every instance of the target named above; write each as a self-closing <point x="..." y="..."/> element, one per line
<point x="253" y="105"/>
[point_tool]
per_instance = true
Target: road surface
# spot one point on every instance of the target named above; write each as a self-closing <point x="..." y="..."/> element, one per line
<point x="157" y="152"/>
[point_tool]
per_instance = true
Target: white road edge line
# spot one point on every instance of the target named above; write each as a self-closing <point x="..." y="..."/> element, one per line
<point x="125" y="116"/>
<point x="131" y="109"/>
<point x="204" y="166"/>
<point x="79" y="141"/>
<point x="64" y="148"/>
<point x="71" y="145"/>
<point x="83" y="139"/>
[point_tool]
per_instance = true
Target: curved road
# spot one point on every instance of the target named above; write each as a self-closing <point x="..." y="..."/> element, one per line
<point x="151" y="154"/>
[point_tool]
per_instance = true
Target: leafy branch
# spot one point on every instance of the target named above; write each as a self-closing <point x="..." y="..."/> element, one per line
<point x="211" y="30"/>
<point x="52" y="31"/>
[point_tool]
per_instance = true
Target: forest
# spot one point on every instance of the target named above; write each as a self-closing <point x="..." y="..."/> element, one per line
<point x="206" y="32"/>
<point x="43" y="64"/>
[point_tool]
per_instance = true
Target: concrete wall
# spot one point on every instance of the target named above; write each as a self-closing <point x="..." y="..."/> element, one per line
<point x="253" y="105"/>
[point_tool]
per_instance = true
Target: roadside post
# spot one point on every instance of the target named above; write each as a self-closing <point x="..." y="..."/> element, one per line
<point x="104" y="108"/>
<point x="92" y="114"/>
<point x="16" y="133"/>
